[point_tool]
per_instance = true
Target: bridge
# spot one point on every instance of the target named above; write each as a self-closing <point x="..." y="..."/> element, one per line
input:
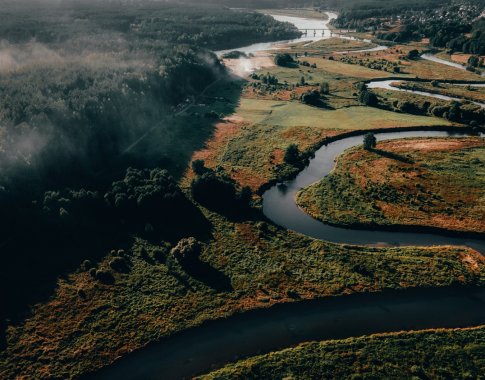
<point x="308" y="31"/>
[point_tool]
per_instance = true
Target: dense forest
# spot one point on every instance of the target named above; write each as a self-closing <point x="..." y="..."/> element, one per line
<point x="81" y="83"/>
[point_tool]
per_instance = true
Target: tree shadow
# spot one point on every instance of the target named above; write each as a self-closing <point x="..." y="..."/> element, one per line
<point x="393" y="156"/>
<point x="210" y="276"/>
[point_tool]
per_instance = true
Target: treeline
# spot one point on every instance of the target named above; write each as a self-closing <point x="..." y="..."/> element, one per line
<point x="205" y="25"/>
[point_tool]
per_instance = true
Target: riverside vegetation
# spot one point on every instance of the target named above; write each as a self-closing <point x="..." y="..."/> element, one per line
<point x="427" y="182"/>
<point x="96" y="154"/>
<point x="431" y="354"/>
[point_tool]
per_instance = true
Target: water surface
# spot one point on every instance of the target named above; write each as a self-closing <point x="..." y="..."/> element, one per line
<point x="279" y="204"/>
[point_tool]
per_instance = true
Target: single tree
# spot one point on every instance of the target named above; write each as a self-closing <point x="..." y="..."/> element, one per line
<point x="324" y="88"/>
<point x="368" y="98"/>
<point x="370" y="141"/>
<point x="284" y="60"/>
<point x="413" y="54"/>
<point x="292" y="154"/>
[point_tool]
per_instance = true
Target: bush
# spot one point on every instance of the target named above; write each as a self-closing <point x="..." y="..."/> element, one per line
<point x="86" y="265"/>
<point x="218" y="191"/>
<point x="284" y="59"/>
<point x="187" y="252"/>
<point x="413" y="54"/>
<point x="160" y="253"/>
<point x="105" y="277"/>
<point x="368" y="98"/>
<point x="213" y="190"/>
<point x="119" y="264"/>
<point x="311" y="98"/>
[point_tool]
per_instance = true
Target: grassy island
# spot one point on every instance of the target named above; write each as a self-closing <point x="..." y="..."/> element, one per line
<point x="426" y="182"/>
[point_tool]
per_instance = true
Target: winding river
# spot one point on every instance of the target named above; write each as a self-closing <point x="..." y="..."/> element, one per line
<point x="215" y="343"/>
<point x="386" y="85"/>
<point x="279" y="203"/>
<point x="300" y="23"/>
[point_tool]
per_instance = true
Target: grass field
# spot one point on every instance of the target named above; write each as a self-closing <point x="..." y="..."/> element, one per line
<point x="416" y="68"/>
<point x="251" y="143"/>
<point x="464" y="92"/>
<point x="88" y="324"/>
<point x="430" y="182"/>
<point x="328" y="46"/>
<point x="432" y="354"/>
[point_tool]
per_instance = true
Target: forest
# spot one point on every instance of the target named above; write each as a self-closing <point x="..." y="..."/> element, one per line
<point x="82" y="83"/>
<point x="455" y="25"/>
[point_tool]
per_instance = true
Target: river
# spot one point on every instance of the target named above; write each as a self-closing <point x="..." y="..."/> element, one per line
<point x="215" y="343"/>
<point x="386" y="85"/>
<point x="300" y="23"/>
<point x="279" y="203"/>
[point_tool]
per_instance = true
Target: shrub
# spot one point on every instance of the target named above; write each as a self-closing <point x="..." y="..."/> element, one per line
<point x="213" y="190"/>
<point x="325" y="88"/>
<point x="413" y="54"/>
<point x="81" y="294"/>
<point x="473" y="61"/>
<point x="105" y="277"/>
<point x="368" y="98"/>
<point x="119" y="264"/>
<point x="218" y="191"/>
<point x="284" y="59"/>
<point x="311" y="97"/>
<point x="160" y="253"/>
<point x="187" y="252"/>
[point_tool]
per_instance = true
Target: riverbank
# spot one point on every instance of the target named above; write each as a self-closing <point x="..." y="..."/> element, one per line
<point x="416" y="183"/>
<point x="432" y="354"/>
<point x="250" y="264"/>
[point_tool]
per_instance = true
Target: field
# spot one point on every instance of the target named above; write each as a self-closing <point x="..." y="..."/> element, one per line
<point x="419" y="68"/>
<point x="428" y="182"/>
<point x="433" y="354"/>
<point x="251" y="265"/>
<point x="100" y="310"/>
<point x="330" y="45"/>
<point x="472" y="93"/>
<point x="249" y="144"/>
